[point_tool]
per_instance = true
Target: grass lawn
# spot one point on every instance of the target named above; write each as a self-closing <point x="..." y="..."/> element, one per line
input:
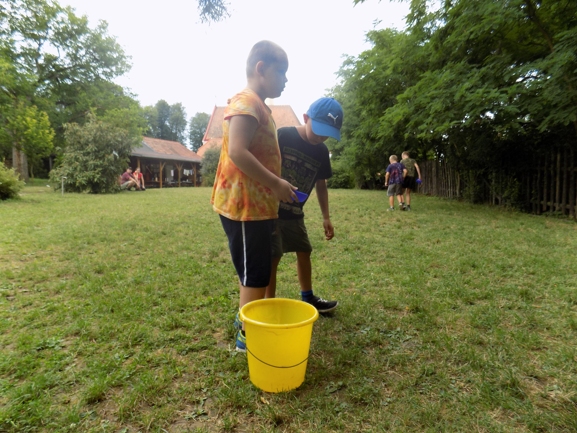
<point x="116" y="315"/>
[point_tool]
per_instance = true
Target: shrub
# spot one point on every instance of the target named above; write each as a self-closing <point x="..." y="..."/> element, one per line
<point x="342" y="175"/>
<point x="10" y="183"/>
<point x="96" y="154"/>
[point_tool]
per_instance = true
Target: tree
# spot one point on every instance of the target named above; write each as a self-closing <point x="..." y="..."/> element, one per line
<point x="29" y="132"/>
<point x="478" y="84"/>
<point x="197" y="129"/>
<point x="212" y="10"/>
<point x="209" y="166"/>
<point x="166" y="121"/>
<point x="96" y="154"/>
<point x="56" y="53"/>
<point x="177" y="123"/>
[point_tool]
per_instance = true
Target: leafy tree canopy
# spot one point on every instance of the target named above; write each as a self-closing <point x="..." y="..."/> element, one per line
<point x="166" y="121"/>
<point x="480" y="83"/>
<point x="52" y="60"/>
<point x="212" y="10"/>
<point x="197" y="129"/>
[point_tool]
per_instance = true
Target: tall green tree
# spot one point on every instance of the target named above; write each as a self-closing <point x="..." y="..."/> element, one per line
<point x="209" y="166"/>
<point x="28" y="130"/>
<point x="57" y="53"/>
<point x="166" y="121"/>
<point x="196" y="130"/>
<point x="480" y="83"/>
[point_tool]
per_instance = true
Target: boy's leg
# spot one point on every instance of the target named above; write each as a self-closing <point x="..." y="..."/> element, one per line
<point x="277" y="252"/>
<point x="249" y="294"/>
<point x="250" y="245"/>
<point x="304" y="271"/>
<point x="271" y="288"/>
<point x="391" y="201"/>
<point x="294" y="238"/>
<point x="408" y="196"/>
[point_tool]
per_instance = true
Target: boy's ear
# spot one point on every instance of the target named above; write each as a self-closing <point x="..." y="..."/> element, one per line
<point x="306" y="118"/>
<point x="260" y="67"/>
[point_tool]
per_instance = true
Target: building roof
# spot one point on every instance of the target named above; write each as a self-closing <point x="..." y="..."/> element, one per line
<point x="165" y="149"/>
<point x="283" y="115"/>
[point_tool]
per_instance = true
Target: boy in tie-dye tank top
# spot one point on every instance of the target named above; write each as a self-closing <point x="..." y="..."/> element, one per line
<point x="248" y="186"/>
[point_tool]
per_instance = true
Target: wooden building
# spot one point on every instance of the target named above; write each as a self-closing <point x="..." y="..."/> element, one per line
<point x="166" y="163"/>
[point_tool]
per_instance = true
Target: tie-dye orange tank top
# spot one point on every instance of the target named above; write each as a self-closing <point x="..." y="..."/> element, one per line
<point x="235" y="195"/>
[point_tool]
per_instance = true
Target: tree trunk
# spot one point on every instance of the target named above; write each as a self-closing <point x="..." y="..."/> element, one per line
<point x="20" y="163"/>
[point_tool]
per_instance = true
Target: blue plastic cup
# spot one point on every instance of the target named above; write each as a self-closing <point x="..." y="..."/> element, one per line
<point x="301" y="196"/>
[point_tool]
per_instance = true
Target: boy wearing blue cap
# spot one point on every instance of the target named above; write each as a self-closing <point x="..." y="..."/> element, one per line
<point x="305" y="164"/>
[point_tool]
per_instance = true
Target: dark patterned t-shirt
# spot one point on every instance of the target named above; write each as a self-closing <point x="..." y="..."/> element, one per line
<point x="395" y="171"/>
<point x="302" y="165"/>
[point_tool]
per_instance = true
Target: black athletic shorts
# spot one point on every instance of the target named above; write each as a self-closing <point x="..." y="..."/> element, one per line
<point x="410" y="182"/>
<point x="250" y="244"/>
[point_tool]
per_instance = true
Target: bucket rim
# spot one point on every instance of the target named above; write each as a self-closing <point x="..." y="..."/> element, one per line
<point x="306" y="322"/>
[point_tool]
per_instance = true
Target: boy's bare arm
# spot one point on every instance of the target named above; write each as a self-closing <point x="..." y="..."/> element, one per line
<point x="418" y="170"/>
<point x="386" y="178"/>
<point x="323" y="198"/>
<point x="241" y="132"/>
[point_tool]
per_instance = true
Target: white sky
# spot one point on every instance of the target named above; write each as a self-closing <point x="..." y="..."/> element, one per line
<point x="179" y="59"/>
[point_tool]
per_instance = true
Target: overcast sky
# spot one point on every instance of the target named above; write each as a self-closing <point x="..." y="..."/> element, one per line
<point x="179" y="59"/>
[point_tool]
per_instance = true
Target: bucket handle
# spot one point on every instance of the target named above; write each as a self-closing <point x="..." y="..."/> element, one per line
<point x="275" y="366"/>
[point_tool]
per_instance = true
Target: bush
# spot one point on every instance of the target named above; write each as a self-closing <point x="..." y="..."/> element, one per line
<point x="342" y="175"/>
<point x="96" y="154"/>
<point x="10" y="183"/>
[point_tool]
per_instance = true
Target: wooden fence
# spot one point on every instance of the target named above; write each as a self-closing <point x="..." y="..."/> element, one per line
<point x="549" y="186"/>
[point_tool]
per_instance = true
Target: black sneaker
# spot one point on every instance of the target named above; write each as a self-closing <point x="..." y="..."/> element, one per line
<point x="322" y="305"/>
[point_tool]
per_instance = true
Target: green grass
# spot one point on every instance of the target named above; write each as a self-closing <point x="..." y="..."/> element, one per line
<point x="116" y="316"/>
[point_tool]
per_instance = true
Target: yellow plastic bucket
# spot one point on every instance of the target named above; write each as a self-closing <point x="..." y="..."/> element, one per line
<point x="278" y="338"/>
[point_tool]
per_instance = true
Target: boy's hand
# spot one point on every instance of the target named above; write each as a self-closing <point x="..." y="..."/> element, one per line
<point x="285" y="191"/>
<point x="329" y="229"/>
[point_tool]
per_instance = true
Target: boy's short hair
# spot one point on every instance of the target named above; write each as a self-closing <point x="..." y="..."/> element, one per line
<point x="265" y="51"/>
<point x="406" y="152"/>
<point x="393" y="157"/>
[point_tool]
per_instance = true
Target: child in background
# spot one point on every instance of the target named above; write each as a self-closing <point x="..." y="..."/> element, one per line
<point x="394" y="176"/>
<point x="139" y="179"/>
<point x="306" y="164"/>
<point x="248" y="187"/>
<point x="410" y="183"/>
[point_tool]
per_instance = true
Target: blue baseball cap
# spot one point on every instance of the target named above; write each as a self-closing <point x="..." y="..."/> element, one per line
<point x="326" y="115"/>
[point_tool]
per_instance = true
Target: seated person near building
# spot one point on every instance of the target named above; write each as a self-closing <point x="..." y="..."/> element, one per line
<point x="128" y="181"/>
<point x="139" y="178"/>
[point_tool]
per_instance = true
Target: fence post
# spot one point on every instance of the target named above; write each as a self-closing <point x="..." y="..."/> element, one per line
<point x="564" y="186"/>
<point x="572" y="211"/>
<point x="558" y="182"/>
